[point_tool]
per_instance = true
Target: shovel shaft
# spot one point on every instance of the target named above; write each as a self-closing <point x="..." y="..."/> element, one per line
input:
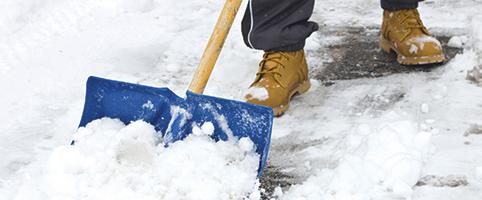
<point x="214" y="47"/>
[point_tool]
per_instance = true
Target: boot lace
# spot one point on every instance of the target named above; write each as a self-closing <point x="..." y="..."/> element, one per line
<point x="410" y="19"/>
<point x="272" y="65"/>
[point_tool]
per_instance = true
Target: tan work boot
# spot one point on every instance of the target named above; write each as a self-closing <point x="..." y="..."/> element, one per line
<point x="403" y="32"/>
<point x="280" y="76"/>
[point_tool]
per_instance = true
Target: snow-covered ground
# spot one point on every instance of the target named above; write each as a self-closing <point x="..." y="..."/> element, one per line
<point x="112" y="161"/>
<point x="357" y="139"/>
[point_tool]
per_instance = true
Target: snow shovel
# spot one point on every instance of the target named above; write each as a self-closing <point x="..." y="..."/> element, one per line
<point x="174" y="116"/>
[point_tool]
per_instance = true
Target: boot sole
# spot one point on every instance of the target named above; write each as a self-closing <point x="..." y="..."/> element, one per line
<point x="404" y="60"/>
<point x="301" y="89"/>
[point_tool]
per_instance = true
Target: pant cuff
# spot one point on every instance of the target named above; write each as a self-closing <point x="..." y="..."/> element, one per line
<point x="392" y="6"/>
<point x="291" y="48"/>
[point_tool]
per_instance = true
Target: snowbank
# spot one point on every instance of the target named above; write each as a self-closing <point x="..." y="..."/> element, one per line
<point x="114" y="161"/>
<point x="383" y="161"/>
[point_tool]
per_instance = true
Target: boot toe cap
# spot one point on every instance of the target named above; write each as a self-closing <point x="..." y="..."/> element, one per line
<point x="425" y="46"/>
<point x="277" y="100"/>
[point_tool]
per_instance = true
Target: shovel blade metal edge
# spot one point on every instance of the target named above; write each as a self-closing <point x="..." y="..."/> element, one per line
<point x="174" y="116"/>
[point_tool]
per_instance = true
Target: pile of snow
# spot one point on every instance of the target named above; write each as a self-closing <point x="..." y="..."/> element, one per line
<point x="112" y="161"/>
<point x="475" y="75"/>
<point x="382" y="162"/>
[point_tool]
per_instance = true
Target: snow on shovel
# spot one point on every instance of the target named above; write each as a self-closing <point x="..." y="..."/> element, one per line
<point x="175" y="116"/>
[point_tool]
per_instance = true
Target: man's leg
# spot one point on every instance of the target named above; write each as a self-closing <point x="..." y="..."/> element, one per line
<point x="399" y="4"/>
<point x="404" y="33"/>
<point x="278" y="25"/>
<point x="280" y="28"/>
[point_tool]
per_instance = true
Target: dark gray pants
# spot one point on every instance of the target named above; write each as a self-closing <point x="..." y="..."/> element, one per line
<point x="283" y="25"/>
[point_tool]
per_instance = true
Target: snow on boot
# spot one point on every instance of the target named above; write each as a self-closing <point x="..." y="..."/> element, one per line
<point x="280" y="76"/>
<point x="403" y="32"/>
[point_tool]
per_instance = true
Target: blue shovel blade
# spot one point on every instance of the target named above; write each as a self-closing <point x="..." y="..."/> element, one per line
<point x="174" y="116"/>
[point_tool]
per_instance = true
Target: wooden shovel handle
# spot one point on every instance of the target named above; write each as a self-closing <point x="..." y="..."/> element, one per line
<point x="215" y="44"/>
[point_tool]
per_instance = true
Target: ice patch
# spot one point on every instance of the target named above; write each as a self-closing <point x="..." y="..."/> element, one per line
<point x="113" y="161"/>
<point x="257" y="93"/>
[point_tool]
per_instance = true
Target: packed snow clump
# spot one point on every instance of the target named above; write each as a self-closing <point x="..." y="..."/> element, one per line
<point x="458" y="41"/>
<point x="382" y="162"/>
<point x="422" y="40"/>
<point x="112" y="161"/>
<point x="257" y="93"/>
<point x="413" y="49"/>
